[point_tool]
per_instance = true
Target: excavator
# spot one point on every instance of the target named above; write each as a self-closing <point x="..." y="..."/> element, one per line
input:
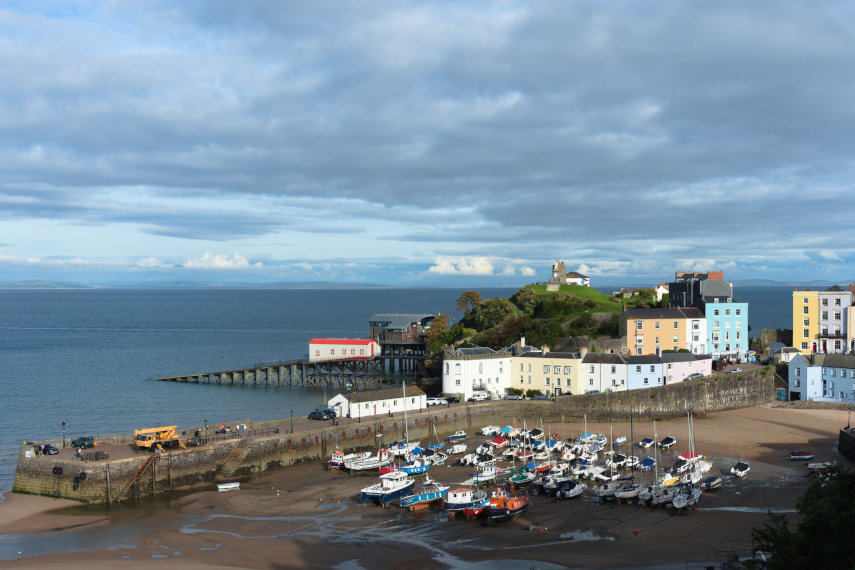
<point x="158" y="438"/>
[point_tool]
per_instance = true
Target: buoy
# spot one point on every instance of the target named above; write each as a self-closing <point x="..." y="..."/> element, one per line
<point x="636" y="531"/>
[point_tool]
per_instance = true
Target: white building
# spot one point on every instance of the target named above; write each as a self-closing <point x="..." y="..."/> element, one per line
<point x="696" y="335"/>
<point x="603" y="372"/>
<point x="378" y="402"/>
<point x="321" y="349"/>
<point x="467" y="370"/>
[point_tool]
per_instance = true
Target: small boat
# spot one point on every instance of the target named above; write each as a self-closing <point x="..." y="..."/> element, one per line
<point x="817" y="469"/>
<point x="569" y="488"/>
<point x="339" y="458"/>
<point x="486" y="474"/>
<point x="620" y="440"/>
<point x="371" y="462"/>
<point x="627" y="490"/>
<point x="667" y="442"/>
<point x="710" y="483"/>
<point x="801" y="456"/>
<point x="686" y="498"/>
<point x="489" y="430"/>
<point x="459" y="434"/>
<point x="416" y="466"/>
<point x="392" y="486"/>
<point x="477" y="509"/>
<point x="223" y="487"/>
<point x="457" y="448"/>
<point x="457" y="500"/>
<point x="430" y="492"/>
<point x="740" y="469"/>
<point x="520" y="477"/>
<point x="686" y="460"/>
<point x="399" y="448"/>
<point x="499" y="442"/>
<point x="606" y="489"/>
<point x="504" y="507"/>
<point x="647" y="464"/>
<point x="645" y="443"/>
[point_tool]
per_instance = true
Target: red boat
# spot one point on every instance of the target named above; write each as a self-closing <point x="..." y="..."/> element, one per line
<point x="504" y="507"/>
<point x="801" y="456"/>
<point x="477" y="510"/>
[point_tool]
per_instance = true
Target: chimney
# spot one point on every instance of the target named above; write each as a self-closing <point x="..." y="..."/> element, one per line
<point x="544" y="349"/>
<point x="522" y="341"/>
<point x="583" y="351"/>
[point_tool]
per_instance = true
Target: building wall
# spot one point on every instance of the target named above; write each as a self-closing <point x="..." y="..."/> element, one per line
<point x="550" y="375"/>
<point x="646" y="375"/>
<point x="465" y="374"/>
<point x="805" y="320"/>
<point x="821" y="383"/>
<point x="726" y="327"/>
<point x="330" y="349"/>
<point x="603" y="377"/>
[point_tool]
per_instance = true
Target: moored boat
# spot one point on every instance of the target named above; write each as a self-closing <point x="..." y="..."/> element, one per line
<point x="339" y="458"/>
<point x="801" y="456"/>
<point x="430" y="492"/>
<point x="458" y="435"/>
<point x="457" y="500"/>
<point x="458" y="448"/>
<point x="233" y="486"/>
<point x="392" y="486"/>
<point x="740" y="469"/>
<point x="569" y="488"/>
<point x="504" y="507"/>
<point x="686" y="498"/>
<point x="710" y="483"/>
<point x="371" y="462"/>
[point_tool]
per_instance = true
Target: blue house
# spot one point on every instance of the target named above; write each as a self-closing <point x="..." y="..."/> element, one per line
<point x="822" y="378"/>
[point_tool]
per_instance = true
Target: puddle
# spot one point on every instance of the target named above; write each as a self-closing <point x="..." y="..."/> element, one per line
<point x="759" y="510"/>
<point x="216" y="546"/>
<point x="585" y="536"/>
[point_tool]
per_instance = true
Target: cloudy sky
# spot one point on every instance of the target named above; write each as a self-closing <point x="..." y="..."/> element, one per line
<point x="425" y="143"/>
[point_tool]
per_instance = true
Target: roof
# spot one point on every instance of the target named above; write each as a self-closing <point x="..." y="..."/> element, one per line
<point x="363" y="341"/>
<point x="681" y="357"/>
<point x="476" y="350"/>
<point x="787" y="350"/>
<point x="385" y="394"/>
<point x="399" y="321"/>
<point x="576" y="274"/>
<point x="572" y="355"/>
<point x="603" y="358"/>
<point x="665" y="313"/>
<point x="644" y="359"/>
<point x="836" y="289"/>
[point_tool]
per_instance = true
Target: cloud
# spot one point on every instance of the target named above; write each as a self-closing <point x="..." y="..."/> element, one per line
<point x="220" y="261"/>
<point x="829" y="255"/>
<point x="462" y="266"/>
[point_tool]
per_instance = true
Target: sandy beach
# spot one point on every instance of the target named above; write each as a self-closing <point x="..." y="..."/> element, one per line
<point x="308" y="517"/>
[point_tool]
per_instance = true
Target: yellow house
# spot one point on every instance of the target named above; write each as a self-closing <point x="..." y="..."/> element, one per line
<point x="553" y="373"/>
<point x="650" y="331"/>
<point x="805" y="320"/>
<point x="821" y="320"/>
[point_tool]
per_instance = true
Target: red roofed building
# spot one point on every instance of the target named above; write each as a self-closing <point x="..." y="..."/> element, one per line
<point x="342" y="349"/>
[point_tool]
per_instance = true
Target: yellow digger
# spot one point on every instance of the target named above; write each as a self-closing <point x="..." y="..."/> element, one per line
<point x="158" y="438"/>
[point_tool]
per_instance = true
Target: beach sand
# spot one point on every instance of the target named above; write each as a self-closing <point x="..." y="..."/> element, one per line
<point x="307" y="517"/>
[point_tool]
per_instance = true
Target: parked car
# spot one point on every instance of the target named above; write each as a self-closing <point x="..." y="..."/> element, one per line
<point x="694" y="376"/>
<point x="84" y="441"/>
<point x="319" y="415"/>
<point x="437" y="402"/>
<point x="540" y="397"/>
<point x="453" y="399"/>
<point x="46" y="449"/>
<point x="477" y="397"/>
<point x="328" y="411"/>
<point x="735" y="370"/>
<point x="513" y="397"/>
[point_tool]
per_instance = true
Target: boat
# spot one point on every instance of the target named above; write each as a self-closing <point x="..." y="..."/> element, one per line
<point x="233" y="486"/>
<point x="686" y="461"/>
<point x="457" y="448"/>
<point x="371" y="462"/>
<point x="458" y="435"/>
<point x="339" y="458"/>
<point x="710" y="483"/>
<point x="686" y="498"/>
<point x="499" y="442"/>
<point x="645" y="443"/>
<point x="457" y="500"/>
<point x="504" y="507"/>
<point x="817" y="469"/>
<point x="477" y="509"/>
<point x="401" y="448"/>
<point x="740" y="469"/>
<point x="486" y="474"/>
<point x="392" y="486"/>
<point x="430" y="492"/>
<point x="519" y="477"/>
<point x="627" y="490"/>
<point x="489" y="430"/>
<point x="569" y="488"/>
<point x="667" y="442"/>
<point x="416" y="466"/>
<point x="620" y="440"/>
<point x="606" y="490"/>
<point x="801" y="456"/>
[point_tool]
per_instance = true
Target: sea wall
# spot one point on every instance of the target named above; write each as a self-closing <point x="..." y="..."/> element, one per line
<point x="200" y="467"/>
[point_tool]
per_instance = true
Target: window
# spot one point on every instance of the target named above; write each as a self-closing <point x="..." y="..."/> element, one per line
<point x="804" y="300"/>
<point x="824" y="316"/>
<point x="614" y="369"/>
<point x="726" y="335"/>
<point x="738" y="312"/>
<point x="529" y="368"/>
<point x="317" y="353"/>
<point x="806" y="322"/>
<point x="738" y="335"/>
<point x="825" y="302"/>
<point x="727" y="312"/>
<point x="676" y="324"/>
<point x="657" y="324"/>
<point x="727" y="324"/>
<point x="676" y="339"/>
<point x="332" y="351"/>
<point x="645" y="380"/>
<point x="590" y="382"/>
<point x="806" y="334"/>
<point x="836" y="315"/>
<point x="805" y="309"/>
<point x="834" y="372"/>
<point x="739" y="324"/>
<point x="797" y="383"/>
<point x="521" y="379"/>
<point x="716" y="324"/>
<point x="638" y="351"/>
<point x="836" y="345"/>
<point x="529" y="379"/>
<point x="639" y="340"/>
<point x="715" y="347"/>
<point x="715" y="336"/>
<point x="837" y="302"/>
<point x="547" y="381"/>
<point x="715" y="312"/>
<point x="638" y="369"/>
<point x="652" y="368"/>
<point x="614" y="381"/>
<point x="521" y="366"/>
<point x="567" y="370"/>
<point x="361" y="352"/>
<point x="557" y="369"/>
<point x="480" y="368"/>
<point x="558" y="381"/>
<point x="798" y="371"/>
<point x="696" y="326"/>
<point x="457" y="368"/>
<point x="591" y="369"/>
<point x="843" y="373"/>
<point x="638" y="325"/>
<point x="804" y="346"/>
<point x="657" y="340"/>
<point x="547" y="369"/>
<point x="447" y="368"/>
<point x="695" y="338"/>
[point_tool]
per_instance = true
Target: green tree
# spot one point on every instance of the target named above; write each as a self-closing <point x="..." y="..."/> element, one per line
<point x="468" y="301"/>
<point x="434" y="335"/>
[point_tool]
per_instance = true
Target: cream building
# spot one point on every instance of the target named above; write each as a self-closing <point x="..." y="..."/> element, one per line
<point x="553" y="373"/>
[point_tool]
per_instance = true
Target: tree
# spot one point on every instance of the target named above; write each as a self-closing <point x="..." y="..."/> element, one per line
<point x="433" y="336"/>
<point x="468" y="301"/>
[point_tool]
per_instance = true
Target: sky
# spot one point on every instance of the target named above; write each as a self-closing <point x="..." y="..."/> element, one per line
<point x="425" y="143"/>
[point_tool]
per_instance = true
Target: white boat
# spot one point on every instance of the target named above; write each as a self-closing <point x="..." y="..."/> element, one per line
<point x="223" y="487"/>
<point x="489" y="430"/>
<point x="740" y="469"/>
<point x="620" y="440"/>
<point x="392" y="486"/>
<point x="686" y="498"/>
<point x="457" y="448"/>
<point x="606" y="489"/>
<point x="568" y="489"/>
<point x="627" y="490"/>
<point x="339" y="458"/>
<point x="401" y="448"/>
<point x="486" y="474"/>
<point x="459" y="434"/>
<point x="710" y="483"/>
<point x="459" y="499"/>
<point x="382" y="459"/>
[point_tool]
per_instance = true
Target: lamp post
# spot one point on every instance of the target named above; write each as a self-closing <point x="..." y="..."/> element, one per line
<point x="63" y="434"/>
<point x="349" y="386"/>
<point x="292" y="421"/>
<point x="206" y="431"/>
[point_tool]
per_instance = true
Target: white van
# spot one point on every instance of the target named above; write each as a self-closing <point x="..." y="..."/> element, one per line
<point x="478" y="397"/>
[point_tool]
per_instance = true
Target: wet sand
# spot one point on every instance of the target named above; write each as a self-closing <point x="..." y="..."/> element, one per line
<point x="307" y="517"/>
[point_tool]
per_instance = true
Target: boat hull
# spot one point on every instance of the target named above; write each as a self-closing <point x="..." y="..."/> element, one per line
<point x="387" y="496"/>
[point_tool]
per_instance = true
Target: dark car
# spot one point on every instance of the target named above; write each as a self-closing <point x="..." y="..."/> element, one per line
<point x="329" y="411"/>
<point x="318" y="415"/>
<point x="453" y="399"/>
<point x="540" y="397"/>
<point x="84" y="441"/>
<point x="46" y="449"/>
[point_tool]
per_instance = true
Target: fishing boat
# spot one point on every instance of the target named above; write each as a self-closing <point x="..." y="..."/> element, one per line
<point x="486" y="474"/>
<point x="477" y="509"/>
<point x="801" y="456"/>
<point x="686" y="461"/>
<point x="817" y="469"/>
<point x="416" y="466"/>
<point x="430" y="492"/>
<point x="710" y="483"/>
<point x="392" y="486"/>
<point x="504" y="507"/>
<point x="740" y="469"/>
<point x="233" y="486"/>
<point x="686" y="498"/>
<point x="457" y="500"/>
<point x="458" y="435"/>
<point x="519" y="477"/>
<point x="339" y="458"/>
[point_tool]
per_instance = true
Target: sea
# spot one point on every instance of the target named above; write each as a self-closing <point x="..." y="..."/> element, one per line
<point x="86" y="357"/>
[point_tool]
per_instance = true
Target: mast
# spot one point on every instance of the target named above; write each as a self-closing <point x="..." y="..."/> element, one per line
<point x="406" y="425"/>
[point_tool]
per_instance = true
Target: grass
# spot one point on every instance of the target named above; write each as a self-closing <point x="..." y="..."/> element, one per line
<point x="582" y="292"/>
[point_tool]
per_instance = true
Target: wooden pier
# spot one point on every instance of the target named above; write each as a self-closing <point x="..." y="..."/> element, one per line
<point x="364" y="374"/>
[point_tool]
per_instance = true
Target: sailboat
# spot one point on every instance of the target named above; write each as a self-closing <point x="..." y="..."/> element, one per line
<point x="629" y="489"/>
<point x="402" y="448"/>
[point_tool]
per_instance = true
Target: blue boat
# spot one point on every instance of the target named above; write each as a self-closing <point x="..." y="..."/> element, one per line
<point x="431" y="491"/>
<point x="460" y="499"/>
<point x="647" y="464"/>
<point x="458" y="435"/>
<point x="392" y="486"/>
<point x="415" y="467"/>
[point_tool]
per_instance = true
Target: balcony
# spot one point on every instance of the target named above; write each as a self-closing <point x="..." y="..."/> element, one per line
<point x="830" y="335"/>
